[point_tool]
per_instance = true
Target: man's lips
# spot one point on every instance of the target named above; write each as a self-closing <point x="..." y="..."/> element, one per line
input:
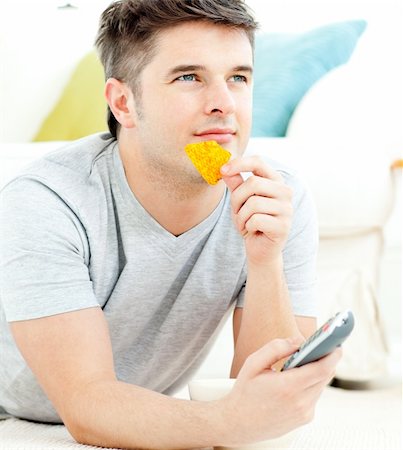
<point x="220" y="135"/>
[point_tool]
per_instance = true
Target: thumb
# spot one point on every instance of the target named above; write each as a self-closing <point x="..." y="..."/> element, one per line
<point x="267" y="356"/>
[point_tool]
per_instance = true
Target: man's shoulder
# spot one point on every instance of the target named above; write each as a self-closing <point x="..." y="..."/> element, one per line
<point x="70" y="167"/>
<point x="77" y="157"/>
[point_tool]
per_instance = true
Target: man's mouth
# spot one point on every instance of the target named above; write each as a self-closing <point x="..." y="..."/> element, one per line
<point x="220" y="135"/>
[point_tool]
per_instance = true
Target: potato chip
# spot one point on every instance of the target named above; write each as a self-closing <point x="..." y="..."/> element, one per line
<point x="208" y="157"/>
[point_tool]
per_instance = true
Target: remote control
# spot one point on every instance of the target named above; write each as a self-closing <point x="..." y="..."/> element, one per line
<point x="329" y="336"/>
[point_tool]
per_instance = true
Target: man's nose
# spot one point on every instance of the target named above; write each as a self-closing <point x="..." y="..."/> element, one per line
<point x="219" y="100"/>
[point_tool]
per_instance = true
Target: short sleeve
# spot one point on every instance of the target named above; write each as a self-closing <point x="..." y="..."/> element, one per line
<point x="240" y="301"/>
<point x="43" y="253"/>
<point x="300" y="252"/>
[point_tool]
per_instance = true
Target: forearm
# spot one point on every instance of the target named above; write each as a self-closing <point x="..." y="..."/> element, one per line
<point x="267" y="312"/>
<point x="117" y="414"/>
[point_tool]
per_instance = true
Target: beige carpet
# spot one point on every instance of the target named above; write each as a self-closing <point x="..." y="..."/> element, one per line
<point x="345" y="420"/>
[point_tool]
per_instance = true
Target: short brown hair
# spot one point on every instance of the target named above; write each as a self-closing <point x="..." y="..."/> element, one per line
<point x="128" y="30"/>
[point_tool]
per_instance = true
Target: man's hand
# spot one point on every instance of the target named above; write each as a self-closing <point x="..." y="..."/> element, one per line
<point x="261" y="207"/>
<point x="264" y="404"/>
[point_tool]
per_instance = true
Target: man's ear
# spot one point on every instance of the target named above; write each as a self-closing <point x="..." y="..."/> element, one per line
<point x="120" y="100"/>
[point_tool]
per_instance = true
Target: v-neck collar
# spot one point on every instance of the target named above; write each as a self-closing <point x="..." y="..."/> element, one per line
<point x="138" y="214"/>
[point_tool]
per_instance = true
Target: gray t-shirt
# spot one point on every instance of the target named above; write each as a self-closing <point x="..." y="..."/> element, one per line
<point x="73" y="236"/>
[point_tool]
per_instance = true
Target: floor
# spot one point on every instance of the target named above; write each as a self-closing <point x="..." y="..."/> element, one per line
<point x="344" y="420"/>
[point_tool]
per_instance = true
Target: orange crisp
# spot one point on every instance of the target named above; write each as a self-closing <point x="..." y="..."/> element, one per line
<point x="208" y="157"/>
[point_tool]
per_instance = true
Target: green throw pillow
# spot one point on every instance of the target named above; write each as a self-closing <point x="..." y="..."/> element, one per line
<point x="81" y="109"/>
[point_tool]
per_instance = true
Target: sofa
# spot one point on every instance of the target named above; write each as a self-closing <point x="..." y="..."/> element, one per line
<point x="341" y="147"/>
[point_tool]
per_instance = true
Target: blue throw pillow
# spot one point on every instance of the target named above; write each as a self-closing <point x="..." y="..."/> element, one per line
<point x="287" y="65"/>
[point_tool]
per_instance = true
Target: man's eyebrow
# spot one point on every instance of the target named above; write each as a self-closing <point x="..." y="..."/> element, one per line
<point x="244" y="68"/>
<point x="197" y="67"/>
<point x="185" y="68"/>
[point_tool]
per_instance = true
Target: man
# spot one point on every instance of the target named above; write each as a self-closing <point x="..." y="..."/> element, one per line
<point x="119" y="261"/>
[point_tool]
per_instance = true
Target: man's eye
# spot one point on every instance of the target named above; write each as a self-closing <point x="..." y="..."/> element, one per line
<point x="239" y="78"/>
<point x="187" y="77"/>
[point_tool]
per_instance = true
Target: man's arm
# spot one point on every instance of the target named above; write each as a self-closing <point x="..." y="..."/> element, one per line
<point x="306" y="326"/>
<point x="71" y="356"/>
<point x="262" y="212"/>
<point x="266" y="315"/>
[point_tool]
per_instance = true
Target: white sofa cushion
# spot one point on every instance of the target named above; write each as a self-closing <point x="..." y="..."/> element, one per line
<point x="14" y="156"/>
<point x="353" y="192"/>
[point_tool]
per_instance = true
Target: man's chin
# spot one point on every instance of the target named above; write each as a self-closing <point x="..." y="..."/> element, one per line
<point x="235" y="148"/>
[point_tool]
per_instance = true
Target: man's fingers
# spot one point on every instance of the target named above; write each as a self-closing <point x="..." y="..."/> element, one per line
<point x="253" y="164"/>
<point x="259" y="187"/>
<point x="264" y="223"/>
<point x="256" y="205"/>
<point x="233" y="182"/>
<point x="321" y="371"/>
<point x="267" y="356"/>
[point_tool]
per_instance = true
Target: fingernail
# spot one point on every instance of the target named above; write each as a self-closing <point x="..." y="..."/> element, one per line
<point x="225" y="168"/>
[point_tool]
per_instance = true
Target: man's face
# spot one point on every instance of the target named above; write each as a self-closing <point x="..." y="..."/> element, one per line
<point x="197" y="87"/>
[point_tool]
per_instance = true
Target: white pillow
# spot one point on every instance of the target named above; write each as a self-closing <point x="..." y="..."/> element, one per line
<point x="358" y="101"/>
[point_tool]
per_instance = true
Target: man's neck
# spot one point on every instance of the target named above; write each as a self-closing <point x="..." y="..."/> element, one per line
<point x="176" y="208"/>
